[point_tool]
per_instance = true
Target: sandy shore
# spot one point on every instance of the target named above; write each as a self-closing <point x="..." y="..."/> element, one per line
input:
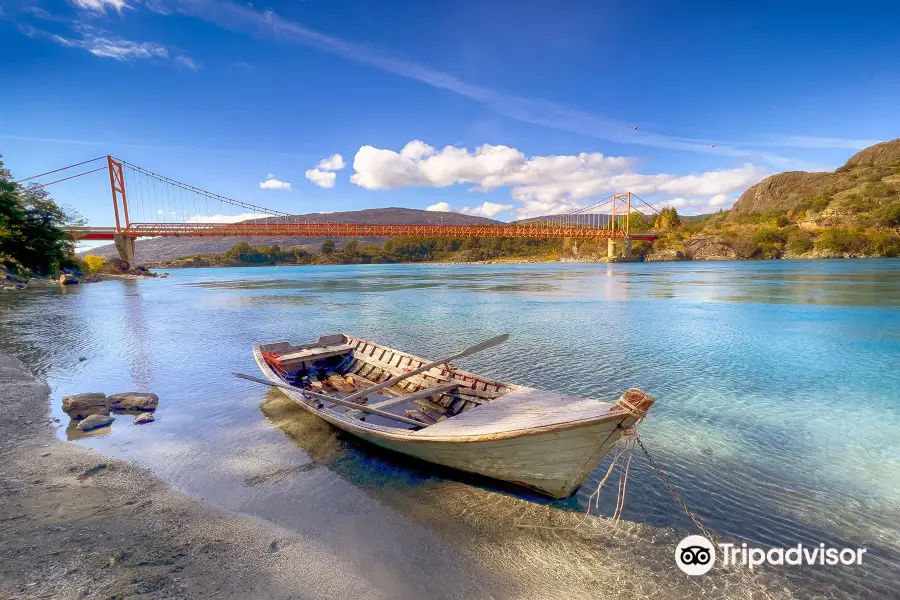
<point x="76" y="524"/>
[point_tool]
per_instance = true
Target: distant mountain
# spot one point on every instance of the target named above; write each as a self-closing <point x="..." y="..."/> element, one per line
<point x="869" y="180"/>
<point x="154" y="250"/>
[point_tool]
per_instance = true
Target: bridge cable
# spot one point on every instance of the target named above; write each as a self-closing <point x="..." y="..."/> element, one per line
<point x="42" y="185"/>
<point x="58" y="170"/>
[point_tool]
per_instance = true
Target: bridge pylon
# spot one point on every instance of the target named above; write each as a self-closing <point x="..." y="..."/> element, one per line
<point x="123" y="241"/>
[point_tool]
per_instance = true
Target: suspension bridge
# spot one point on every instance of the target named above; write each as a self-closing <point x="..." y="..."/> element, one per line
<point x="147" y="204"/>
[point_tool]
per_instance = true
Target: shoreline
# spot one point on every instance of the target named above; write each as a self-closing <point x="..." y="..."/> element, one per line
<point x="77" y="524"/>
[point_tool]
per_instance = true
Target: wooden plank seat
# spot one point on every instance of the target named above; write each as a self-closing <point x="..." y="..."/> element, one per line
<point x="524" y="408"/>
<point x="295" y="360"/>
<point x="425" y="393"/>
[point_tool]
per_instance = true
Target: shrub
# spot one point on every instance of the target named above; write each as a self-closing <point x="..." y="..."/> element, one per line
<point x="799" y="242"/>
<point x="94" y="264"/>
<point x="884" y="243"/>
<point x="888" y="215"/>
<point x="768" y="235"/>
<point x="839" y="239"/>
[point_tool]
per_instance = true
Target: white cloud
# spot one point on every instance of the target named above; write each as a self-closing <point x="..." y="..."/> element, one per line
<point x="440" y="207"/>
<point x="186" y="62"/>
<point x="720" y="200"/>
<point x="101" y="5"/>
<point x="323" y="179"/>
<point x="274" y="184"/>
<point x="487" y="209"/>
<point x="225" y="218"/>
<point x="323" y="174"/>
<point x="335" y="162"/>
<point x="541" y="184"/>
<point x="102" y="44"/>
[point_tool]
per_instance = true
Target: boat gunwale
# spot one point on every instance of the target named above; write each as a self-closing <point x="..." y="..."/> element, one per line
<point x="353" y="425"/>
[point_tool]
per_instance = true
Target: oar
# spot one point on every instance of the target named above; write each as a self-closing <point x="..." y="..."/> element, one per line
<point x="327" y="398"/>
<point x="494" y="341"/>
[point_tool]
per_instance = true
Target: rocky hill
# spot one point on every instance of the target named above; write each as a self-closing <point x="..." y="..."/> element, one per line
<point x="156" y="250"/>
<point x="868" y="181"/>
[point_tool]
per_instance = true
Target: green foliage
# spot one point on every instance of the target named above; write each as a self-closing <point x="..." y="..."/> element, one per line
<point x="351" y="248"/>
<point x="839" y="239"/>
<point x="816" y="203"/>
<point x="884" y="243"/>
<point x="31" y="234"/>
<point x="799" y="242"/>
<point x="888" y="215"/>
<point x="327" y="247"/>
<point x="638" y="222"/>
<point x="768" y="235"/>
<point x="667" y="219"/>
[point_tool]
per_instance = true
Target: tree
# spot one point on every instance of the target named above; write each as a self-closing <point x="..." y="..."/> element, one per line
<point x="667" y="218"/>
<point x="327" y="247"/>
<point x="351" y="248"/>
<point x="31" y="234"/>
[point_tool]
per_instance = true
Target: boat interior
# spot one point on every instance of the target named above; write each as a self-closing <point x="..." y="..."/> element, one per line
<point x="442" y="400"/>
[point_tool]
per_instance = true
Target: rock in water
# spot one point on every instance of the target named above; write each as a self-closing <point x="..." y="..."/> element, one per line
<point x="95" y="421"/>
<point x="79" y="406"/>
<point x="143" y="401"/>
<point x="67" y="279"/>
<point x="142" y="418"/>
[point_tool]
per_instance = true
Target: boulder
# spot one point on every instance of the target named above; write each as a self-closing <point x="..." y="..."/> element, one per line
<point x="142" y="418"/>
<point x="67" y="279"/>
<point x="79" y="406"/>
<point x="142" y="401"/>
<point x="708" y="247"/>
<point x="665" y="256"/>
<point x="95" y="421"/>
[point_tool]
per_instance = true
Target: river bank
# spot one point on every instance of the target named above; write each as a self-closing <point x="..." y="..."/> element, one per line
<point x="77" y="524"/>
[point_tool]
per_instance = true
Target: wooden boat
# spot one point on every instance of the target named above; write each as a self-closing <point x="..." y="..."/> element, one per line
<point x="537" y="439"/>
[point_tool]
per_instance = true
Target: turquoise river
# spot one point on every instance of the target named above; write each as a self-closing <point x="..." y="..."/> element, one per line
<point x="777" y="414"/>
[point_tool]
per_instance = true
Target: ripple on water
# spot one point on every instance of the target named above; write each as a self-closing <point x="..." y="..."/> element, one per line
<point x="777" y="413"/>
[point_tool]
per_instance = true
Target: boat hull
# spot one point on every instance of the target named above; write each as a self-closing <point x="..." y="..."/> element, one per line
<point x="552" y="460"/>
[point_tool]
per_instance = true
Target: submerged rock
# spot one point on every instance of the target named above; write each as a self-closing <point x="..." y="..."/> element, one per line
<point x="79" y="406"/>
<point x="142" y="418"/>
<point x="143" y="401"/>
<point x="95" y="421"/>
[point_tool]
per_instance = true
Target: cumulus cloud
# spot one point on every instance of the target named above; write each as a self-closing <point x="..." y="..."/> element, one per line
<point x="323" y="174"/>
<point x="540" y="184"/>
<point x="440" y="207"/>
<point x="487" y="209"/>
<point x="323" y="179"/>
<point x="274" y="184"/>
<point x="335" y="162"/>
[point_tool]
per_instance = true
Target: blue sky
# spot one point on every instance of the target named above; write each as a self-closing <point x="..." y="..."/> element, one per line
<point x="504" y="109"/>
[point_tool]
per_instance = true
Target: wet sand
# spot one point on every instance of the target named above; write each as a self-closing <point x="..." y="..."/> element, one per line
<point x="76" y="524"/>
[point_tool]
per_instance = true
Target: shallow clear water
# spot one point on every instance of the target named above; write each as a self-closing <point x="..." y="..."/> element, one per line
<point x="777" y="385"/>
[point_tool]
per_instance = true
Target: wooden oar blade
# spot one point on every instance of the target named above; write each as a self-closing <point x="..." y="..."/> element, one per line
<point x="494" y="341"/>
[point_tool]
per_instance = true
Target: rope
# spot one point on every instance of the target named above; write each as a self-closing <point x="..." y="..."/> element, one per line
<point x="675" y="495"/>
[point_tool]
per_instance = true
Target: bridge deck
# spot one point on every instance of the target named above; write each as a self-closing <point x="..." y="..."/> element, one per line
<point x="353" y="230"/>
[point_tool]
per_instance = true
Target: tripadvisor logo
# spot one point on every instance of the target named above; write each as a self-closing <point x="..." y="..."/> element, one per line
<point x="695" y="555"/>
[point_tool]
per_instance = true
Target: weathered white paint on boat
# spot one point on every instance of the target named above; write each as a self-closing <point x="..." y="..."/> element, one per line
<point x="541" y="440"/>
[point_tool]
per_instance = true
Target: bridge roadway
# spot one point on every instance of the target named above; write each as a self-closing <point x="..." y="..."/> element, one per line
<point x="257" y="229"/>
